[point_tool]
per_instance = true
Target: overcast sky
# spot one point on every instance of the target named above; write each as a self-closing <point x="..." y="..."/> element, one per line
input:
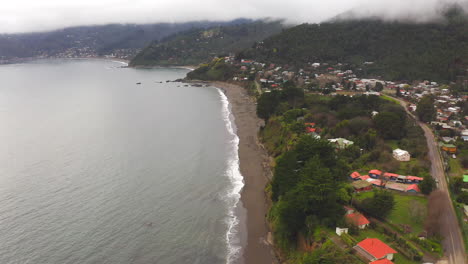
<point x="40" y="15"/>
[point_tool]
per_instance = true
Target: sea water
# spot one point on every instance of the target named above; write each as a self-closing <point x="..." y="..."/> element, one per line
<point x="95" y="168"/>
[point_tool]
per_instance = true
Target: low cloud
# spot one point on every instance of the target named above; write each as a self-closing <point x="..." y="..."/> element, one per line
<point x="34" y="15"/>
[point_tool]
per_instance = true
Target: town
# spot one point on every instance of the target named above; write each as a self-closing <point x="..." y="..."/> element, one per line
<point x="446" y="116"/>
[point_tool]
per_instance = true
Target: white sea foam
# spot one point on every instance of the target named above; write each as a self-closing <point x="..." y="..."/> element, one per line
<point x="234" y="174"/>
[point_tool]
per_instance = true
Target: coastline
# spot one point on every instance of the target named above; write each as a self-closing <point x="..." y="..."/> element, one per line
<point x="254" y="167"/>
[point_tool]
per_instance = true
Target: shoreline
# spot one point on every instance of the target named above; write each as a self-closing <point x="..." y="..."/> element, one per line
<point x="256" y="173"/>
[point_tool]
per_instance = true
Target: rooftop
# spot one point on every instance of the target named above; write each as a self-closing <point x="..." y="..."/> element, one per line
<point x="376" y="248"/>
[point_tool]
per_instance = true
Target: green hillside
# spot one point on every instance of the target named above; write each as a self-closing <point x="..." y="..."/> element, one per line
<point x="436" y="51"/>
<point x="201" y="45"/>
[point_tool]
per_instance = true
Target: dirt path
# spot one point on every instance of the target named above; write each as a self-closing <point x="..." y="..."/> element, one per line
<point x="454" y="247"/>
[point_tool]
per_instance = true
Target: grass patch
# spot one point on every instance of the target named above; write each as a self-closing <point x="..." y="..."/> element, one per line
<point x="388" y="98"/>
<point x="455" y="167"/>
<point x="392" y="143"/>
<point x="409" y="210"/>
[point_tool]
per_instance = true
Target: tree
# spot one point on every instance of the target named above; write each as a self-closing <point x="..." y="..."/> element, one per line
<point x="378" y="87"/>
<point x="398" y="92"/>
<point x="267" y="104"/>
<point x="425" y="109"/>
<point x="380" y="205"/>
<point x="428" y="184"/>
<point x="389" y="125"/>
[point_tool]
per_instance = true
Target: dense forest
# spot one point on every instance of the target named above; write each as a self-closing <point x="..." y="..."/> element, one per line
<point x="397" y="50"/>
<point x="201" y="45"/>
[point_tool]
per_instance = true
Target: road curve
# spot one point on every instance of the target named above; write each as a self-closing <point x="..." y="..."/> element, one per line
<point x="454" y="247"/>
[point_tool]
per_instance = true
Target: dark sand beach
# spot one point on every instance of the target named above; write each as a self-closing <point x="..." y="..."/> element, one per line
<point x="254" y="166"/>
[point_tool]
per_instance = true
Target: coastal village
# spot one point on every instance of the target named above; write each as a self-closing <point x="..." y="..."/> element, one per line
<point x="378" y="242"/>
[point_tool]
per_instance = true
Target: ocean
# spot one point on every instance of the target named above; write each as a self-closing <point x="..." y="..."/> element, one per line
<point x="95" y="168"/>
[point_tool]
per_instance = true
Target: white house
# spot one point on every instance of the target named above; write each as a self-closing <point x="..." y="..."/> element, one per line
<point x="401" y="155"/>
<point x="340" y="231"/>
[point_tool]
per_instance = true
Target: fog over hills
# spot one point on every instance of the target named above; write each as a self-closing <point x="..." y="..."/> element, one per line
<point x="46" y="15"/>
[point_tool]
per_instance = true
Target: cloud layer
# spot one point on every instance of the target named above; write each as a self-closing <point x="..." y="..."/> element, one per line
<point x="34" y="15"/>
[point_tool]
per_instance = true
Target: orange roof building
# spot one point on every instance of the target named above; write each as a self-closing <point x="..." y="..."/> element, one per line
<point x="373" y="249"/>
<point x="358" y="220"/>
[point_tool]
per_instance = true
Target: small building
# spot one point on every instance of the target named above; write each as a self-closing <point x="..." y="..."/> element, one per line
<point x="401" y="155"/>
<point x="355" y="176"/>
<point x="396" y="186"/>
<point x="362" y="186"/>
<point x="414" y="179"/>
<point x="341" y="143"/>
<point x="376" y="182"/>
<point x="348" y="210"/>
<point x="340" y="231"/>
<point x="382" y="261"/>
<point x="375" y="174"/>
<point x="390" y="176"/>
<point x="413" y="188"/>
<point x="357" y="219"/>
<point x="364" y="177"/>
<point x="373" y="249"/>
<point x="450" y="148"/>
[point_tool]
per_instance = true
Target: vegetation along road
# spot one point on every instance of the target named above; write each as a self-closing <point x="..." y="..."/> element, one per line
<point x="453" y="242"/>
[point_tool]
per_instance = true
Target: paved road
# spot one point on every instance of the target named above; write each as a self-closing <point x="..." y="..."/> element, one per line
<point x="453" y="242"/>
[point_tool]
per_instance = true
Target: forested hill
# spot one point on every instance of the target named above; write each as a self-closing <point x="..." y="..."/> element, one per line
<point x="403" y="51"/>
<point x="201" y="45"/>
<point x="95" y="40"/>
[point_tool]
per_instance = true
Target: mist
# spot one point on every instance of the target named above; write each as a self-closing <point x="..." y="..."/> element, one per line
<point x="32" y="15"/>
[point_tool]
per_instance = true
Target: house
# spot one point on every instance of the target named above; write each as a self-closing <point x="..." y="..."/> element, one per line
<point x="349" y="210"/>
<point x="396" y="186"/>
<point x="382" y="261"/>
<point x="450" y="148"/>
<point x="401" y="155"/>
<point x="414" y="179"/>
<point x="373" y="249"/>
<point x="355" y="176"/>
<point x="364" y="177"/>
<point x="375" y="174"/>
<point x="390" y="176"/>
<point x="413" y="188"/>
<point x="358" y="220"/>
<point x="375" y="182"/>
<point x="341" y="143"/>
<point x="340" y="231"/>
<point x="362" y="186"/>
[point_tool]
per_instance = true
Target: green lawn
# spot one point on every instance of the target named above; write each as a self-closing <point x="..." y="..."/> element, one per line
<point x="388" y="98"/>
<point x="392" y="143"/>
<point x="456" y="169"/>
<point x="409" y="210"/>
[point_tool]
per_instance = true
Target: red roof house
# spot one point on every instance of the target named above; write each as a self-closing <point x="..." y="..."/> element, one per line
<point x="355" y="175"/>
<point x="414" y="179"/>
<point x="391" y="176"/>
<point x="310" y="129"/>
<point x="413" y="188"/>
<point x="375" y="173"/>
<point x="374" y="249"/>
<point x="364" y="177"/>
<point x="381" y="261"/>
<point x="349" y="210"/>
<point x="358" y="220"/>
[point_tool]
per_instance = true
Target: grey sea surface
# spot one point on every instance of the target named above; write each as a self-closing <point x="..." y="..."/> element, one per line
<point x="95" y="168"/>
